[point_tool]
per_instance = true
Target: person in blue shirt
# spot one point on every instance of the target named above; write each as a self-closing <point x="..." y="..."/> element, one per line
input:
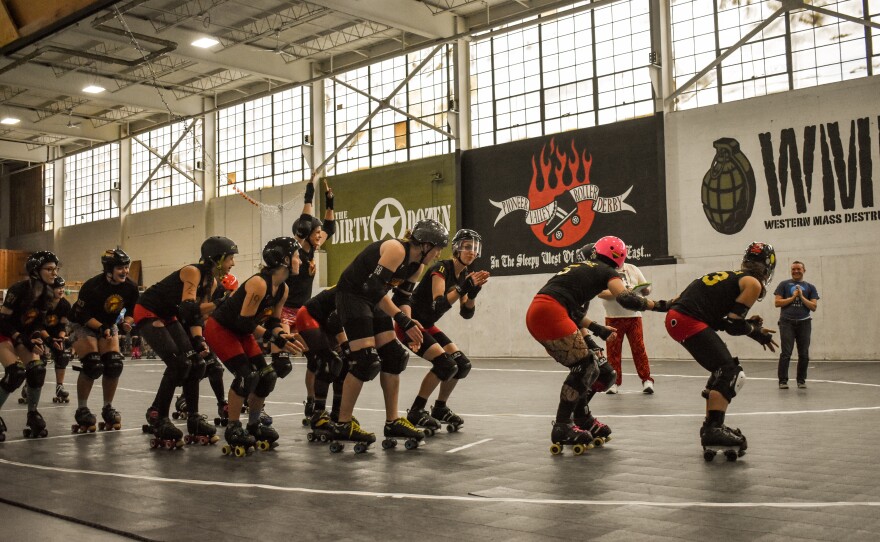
<point x="798" y="299"/>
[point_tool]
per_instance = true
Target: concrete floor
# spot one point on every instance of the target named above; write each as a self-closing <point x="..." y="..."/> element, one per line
<point x="811" y="471"/>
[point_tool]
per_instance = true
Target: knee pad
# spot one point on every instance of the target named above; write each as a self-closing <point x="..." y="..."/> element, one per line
<point x="394" y="357"/>
<point x="582" y="375"/>
<point x="282" y="364"/>
<point x="246" y="375"/>
<point x="35" y="373"/>
<point x="15" y="375"/>
<point x="463" y="363"/>
<point x="112" y="364"/>
<point x="62" y="358"/>
<point x="311" y="361"/>
<point x="728" y="380"/>
<point x="329" y="366"/>
<point x="444" y="367"/>
<point x="267" y="377"/>
<point x="366" y="364"/>
<point x="198" y="368"/>
<point x="213" y="369"/>
<point x="92" y="366"/>
<point x="178" y="368"/>
<point x="607" y="376"/>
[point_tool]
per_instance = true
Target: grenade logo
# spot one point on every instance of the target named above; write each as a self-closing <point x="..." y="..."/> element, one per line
<point x="728" y="191"/>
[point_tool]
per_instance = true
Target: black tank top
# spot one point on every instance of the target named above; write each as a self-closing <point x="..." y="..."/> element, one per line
<point x="578" y="283"/>
<point x="228" y="313"/>
<point x="423" y="296"/>
<point x="163" y="298"/>
<point x="359" y="270"/>
<point x="711" y="297"/>
<point x="299" y="286"/>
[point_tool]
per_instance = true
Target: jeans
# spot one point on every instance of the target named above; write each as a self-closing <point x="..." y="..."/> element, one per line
<point x="791" y="332"/>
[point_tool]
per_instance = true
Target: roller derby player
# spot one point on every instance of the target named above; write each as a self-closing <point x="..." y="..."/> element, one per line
<point x="104" y="308"/>
<point x="135" y="345"/>
<point x="56" y="326"/>
<point x="714" y="302"/>
<point x="366" y="312"/>
<point x="255" y="310"/>
<point x="22" y="335"/>
<point x="170" y="316"/>
<point x="445" y="283"/>
<point x="214" y="368"/>
<point x="551" y="320"/>
<point x="311" y="234"/>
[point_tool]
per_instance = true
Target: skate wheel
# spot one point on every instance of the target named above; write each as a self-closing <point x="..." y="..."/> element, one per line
<point x="598" y="442"/>
<point x="741" y="453"/>
<point x="154" y="444"/>
<point x="44" y="433"/>
<point x="263" y="445"/>
<point x="428" y="432"/>
<point x="187" y="439"/>
<point x="730" y="455"/>
<point x="26" y="433"/>
<point x="101" y="426"/>
<point x="323" y="438"/>
<point x="175" y="415"/>
<point x="214" y="439"/>
<point x="709" y="455"/>
<point x="226" y="450"/>
<point x="360" y="447"/>
<point x="411" y="444"/>
<point x="387" y="444"/>
<point x="146" y="429"/>
<point x="21" y="401"/>
<point x="578" y="449"/>
<point x="217" y="421"/>
<point x="54" y="399"/>
<point x="336" y="447"/>
<point x="2" y="437"/>
<point x="310" y="437"/>
<point x="305" y="422"/>
<point x="575" y="220"/>
<point x="555" y="449"/>
<point x="240" y="451"/>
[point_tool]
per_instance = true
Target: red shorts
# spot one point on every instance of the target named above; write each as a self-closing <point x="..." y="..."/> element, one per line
<point x="304" y="320"/>
<point x="548" y="320"/>
<point x="142" y="313"/>
<point x="227" y="344"/>
<point x="288" y="316"/>
<point x="681" y="326"/>
<point x="4" y="338"/>
<point x="401" y="334"/>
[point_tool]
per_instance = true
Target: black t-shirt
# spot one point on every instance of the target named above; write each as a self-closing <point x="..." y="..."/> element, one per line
<point x="359" y="270"/>
<point x="299" y="286"/>
<point x="710" y="298"/>
<point x="423" y="296"/>
<point x="322" y="305"/>
<point x="28" y="314"/>
<point x="103" y="301"/>
<point x="55" y="317"/>
<point x="228" y="313"/>
<point x="163" y="298"/>
<point x="578" y="283"/>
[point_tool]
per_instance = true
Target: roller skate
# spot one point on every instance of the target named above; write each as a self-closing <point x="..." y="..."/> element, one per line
<point x="23" y="399"/>
<point x="443" y="415"/>
<point x="401" y="427"/>
<point x="2" y="430"/>
<point x="334" y="417"/>
<point x="36" y="425"/>
<point x="200" y="431"/>
<point x="570" y="434"/>
<point x="349" y="431"/>
<point x="112" y="419"/>
<point x="421" y="419"/>
<point x="85" y="421"/>
<point x="319" y="423"/>
<point x="265" y="419"/>
<point x="720" y="438"/>
<point x="152" y="420"/>
<point x="560" y="216"/>
<point x="61" y="395"/>
<point x="166" y="435"/>
<point x="238" y="442"/>
<point x="222" y="414"/>
<point x="179" y="408"/>
<point x="308" y="412"/>
<point x="265" y="437"/>
<point x="601" y="432"/>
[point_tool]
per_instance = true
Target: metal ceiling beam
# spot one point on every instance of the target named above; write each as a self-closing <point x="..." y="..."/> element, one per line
<point x="402" y="14"/>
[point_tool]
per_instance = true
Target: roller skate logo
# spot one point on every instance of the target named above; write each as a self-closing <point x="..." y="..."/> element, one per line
<point x="562" y="202"/>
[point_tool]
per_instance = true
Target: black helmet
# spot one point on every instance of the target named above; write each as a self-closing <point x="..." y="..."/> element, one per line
<point x="278" y="249"/>
<point x="586" y="252"/>
<point x="114" y="257"/>
<point x="216" y="248"/>
<point x="431" y="232"/>
<point x="59" y="283"/>
<point x="305" y="225"/>
<point x="763" y="254"/>
<point x="467" y="235"/>
<point x="37" y="260"/>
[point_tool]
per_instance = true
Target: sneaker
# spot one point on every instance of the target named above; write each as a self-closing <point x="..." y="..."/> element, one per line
<point x="612" y="390"/>
<point x="783" y="385"/>
<point x="647" y="387"/>
<point x="802" y="385"/>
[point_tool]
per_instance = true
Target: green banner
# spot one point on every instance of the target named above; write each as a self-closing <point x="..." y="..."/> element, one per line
<point x="383" y="203"/>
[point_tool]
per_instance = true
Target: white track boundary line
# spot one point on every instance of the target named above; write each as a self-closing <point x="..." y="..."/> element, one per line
<point x="452" y="451"/>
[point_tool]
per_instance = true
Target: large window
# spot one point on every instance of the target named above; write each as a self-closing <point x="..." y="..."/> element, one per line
<point x="799" y="49"/>
<point x="171" y="183"/>
<point x="258" y="143"/>
<point x="390" y="136"/>
<point x="48" y="196"/>
<point x="572" y="72"/>
<point x="89" y="177"/>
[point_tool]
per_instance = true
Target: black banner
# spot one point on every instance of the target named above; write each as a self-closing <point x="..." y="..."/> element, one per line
<point x="536" y="201"/>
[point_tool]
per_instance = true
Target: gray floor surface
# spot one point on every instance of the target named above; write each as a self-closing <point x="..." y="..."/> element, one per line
<point x="812" y="471"/>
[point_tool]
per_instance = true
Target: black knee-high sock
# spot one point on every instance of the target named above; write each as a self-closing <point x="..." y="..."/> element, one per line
<point x="191" y="394"/>
<point x="165" y="396"/>
<point x="216" y="381"/>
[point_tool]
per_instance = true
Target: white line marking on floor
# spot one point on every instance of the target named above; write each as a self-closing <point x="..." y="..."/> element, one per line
<point x="460" y="498"/>
<point x="452" y="451"/>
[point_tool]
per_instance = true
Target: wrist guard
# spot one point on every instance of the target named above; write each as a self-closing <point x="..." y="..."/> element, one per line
<point x="328" y="200"/>
<point x="310" y="193"/>
<point x="599" y="330"/>
<point x="757" y="335"/>
<point x="661" y="305"/>
<point x="405" y="322"/>
<point x="199" y="344"/>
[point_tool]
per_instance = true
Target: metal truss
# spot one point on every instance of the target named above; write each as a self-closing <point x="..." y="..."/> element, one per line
<point x="70" y="63"/>
<point x="183" y="11"/>
<point x="116" y="114"/>
<point x="209" y="82"/>
<point x="331" y="40"/>
<point x="8" y="93"/>
<point x="272" y="24"/>
<point x="62" y="105"/>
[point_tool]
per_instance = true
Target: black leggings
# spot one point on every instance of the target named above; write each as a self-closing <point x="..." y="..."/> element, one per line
<point x="171" y="343"/>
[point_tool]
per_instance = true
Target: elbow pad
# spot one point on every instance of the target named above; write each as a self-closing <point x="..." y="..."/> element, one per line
<point x="467" y="312"/>
<point x="244" y="325"/>
<point x="632" y="301"/>
<point x="330" y="226"/>
<point x="376" y="285"/>
<point x="737" y="326"/>
<point x="189" y="313"/>
<point x="440" y="305"/>
<point x="403" y="294"/>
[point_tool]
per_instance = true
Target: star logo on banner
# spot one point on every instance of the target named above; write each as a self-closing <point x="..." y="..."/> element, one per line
<point x="392" y="213"/>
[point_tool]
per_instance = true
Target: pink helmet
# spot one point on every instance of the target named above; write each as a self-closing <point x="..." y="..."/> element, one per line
<point x="612" y="248"/>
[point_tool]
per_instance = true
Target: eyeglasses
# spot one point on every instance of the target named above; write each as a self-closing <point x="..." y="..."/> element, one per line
<point x="53" y="269"/>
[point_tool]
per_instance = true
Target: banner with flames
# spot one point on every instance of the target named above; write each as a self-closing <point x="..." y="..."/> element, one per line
<point x="536" y="201"/>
